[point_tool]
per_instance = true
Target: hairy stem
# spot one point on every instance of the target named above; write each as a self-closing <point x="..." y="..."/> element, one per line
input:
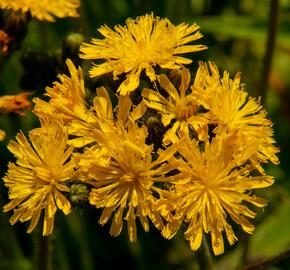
<point x="43" y="252"/>
<point x="245" y="251"/>
<point x="44" y="258"/>
<point x="268" y="262"/>
<point x="267" y="60"/>
<point x="203" y="256"/>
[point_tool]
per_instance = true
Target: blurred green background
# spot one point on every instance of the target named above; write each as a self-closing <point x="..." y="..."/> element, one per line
<point x="236" y="33"/>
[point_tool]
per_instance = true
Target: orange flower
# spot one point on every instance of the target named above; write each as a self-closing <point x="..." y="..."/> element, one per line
<point x="15" y="103"/>
<point x="5" y="39"/>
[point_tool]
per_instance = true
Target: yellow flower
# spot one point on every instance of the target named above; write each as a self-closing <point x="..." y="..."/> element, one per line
<point x="91" y="157"/>
<point x="38" y="178"/>
<point x="242" y="118"/>
<point x="218" y="191"/>
<point x="127" y="184"/>
<point x="43" y="9"/>
<point x="182" y="105"/>
<point x="140" y="45"/>
<point x="103" y="118"/>
<point x="67" y="98"/>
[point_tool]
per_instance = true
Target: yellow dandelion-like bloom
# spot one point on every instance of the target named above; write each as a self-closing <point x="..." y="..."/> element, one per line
<point x="104" y="119"/>
<point x="38" y="178"/>
<point x="241" y="117"/>
<point x="143" y="43"/>
<point x="67" y="98"/>
<point x="182" y="105"/>
<point x="92" y="156"/>
<point x="44" y="10"/>
<point x="127" y="184"/>
<point x="218" y="191"/>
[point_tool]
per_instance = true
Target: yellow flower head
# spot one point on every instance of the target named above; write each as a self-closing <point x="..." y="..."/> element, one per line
<point x="218" y="191"/>
<point x="242" y="118"/>
<point x="38" y="178"/>
<point x="143" y="43"/>
<point x="181" y="105"/>
<point x="67" y="97"/>
<point x="125" y="184"/>
<point x="44" y="10"/>
<point x="103" y="118"/>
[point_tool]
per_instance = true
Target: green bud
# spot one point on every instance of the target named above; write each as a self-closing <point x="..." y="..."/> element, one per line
<point x="79" y="193"/>
<point x="71" y="46"/>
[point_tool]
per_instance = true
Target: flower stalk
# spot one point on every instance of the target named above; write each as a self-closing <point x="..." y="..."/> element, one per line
<point x="270" y="47"/>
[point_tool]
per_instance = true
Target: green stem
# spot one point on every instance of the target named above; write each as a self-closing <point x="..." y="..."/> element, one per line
<point x="9" y="243"/>
<point x="203" y="256"/>
<point x="245" y="252"/>
<point x="43" y="251"/>
<point x="267" y="60"/>
<point x="83" y="20"/>
<point x="268" y="262"/>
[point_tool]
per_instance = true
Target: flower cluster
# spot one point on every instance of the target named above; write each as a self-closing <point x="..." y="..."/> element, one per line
<point x="44" y="10"/>
<point x="201" y="168"/>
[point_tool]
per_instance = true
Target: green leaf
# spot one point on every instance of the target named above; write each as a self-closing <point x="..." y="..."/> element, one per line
<point x="272" y="235"/>
<point x="241" y="27"/>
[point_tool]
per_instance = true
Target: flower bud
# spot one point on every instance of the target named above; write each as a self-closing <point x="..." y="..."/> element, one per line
<point x="71" y="47"/>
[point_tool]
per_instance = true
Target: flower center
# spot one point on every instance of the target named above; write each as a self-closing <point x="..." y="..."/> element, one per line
<point x="145" y="54"/>
<point x="43" y="176"/>
<point x="128" y="177"/>
<point x="185" y="109"/>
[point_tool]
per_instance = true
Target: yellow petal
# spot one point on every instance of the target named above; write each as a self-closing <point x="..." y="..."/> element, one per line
<point x="130" y="84"/>
<point x="138" y="111"/>
<point x="150" y="73"/>
<point x="217" y="242"/>
<point x="106" y="214"/>
<point x="34" y="220"/>
<point x="48" y="223"/>
<point x="101" y="69"/>
<point x="102" y="103"/>
<point x="131" y="224"/>
<point x="260" y="181"/>
<point x="62" y="203"/>
<point x="117" y="223"/>
<point x="195" y="241"/>
<point x="124" y="106"/>
<point x="168" y="86"/>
